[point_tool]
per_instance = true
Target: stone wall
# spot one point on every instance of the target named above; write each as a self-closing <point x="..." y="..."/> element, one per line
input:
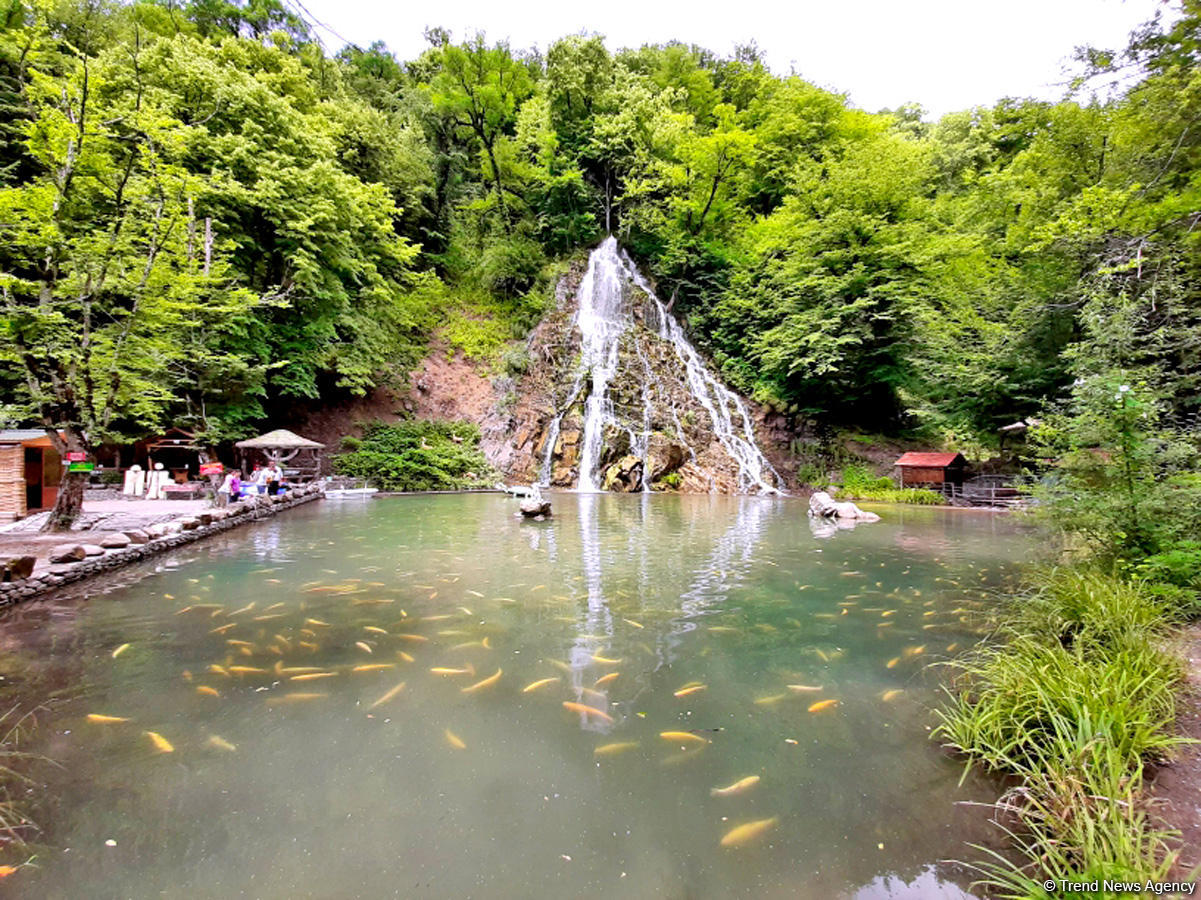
<point x="124" y="548"/>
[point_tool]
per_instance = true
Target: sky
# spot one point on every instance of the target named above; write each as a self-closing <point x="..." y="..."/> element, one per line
<point x="944" y="54"/>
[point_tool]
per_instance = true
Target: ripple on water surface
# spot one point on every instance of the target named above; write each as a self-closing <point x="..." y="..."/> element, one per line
<point x="655" y="696"/>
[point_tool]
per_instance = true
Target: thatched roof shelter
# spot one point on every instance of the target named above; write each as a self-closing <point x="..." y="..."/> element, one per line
<point x="283" y="446"/>
<point x="280" y="439"/>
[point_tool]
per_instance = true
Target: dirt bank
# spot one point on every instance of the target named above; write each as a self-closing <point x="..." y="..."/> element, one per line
<point x="1175" y="791"/>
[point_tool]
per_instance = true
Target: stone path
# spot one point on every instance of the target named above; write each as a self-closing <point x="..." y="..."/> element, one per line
<point x="99" y="519"/>
<point x="113" y="515"/>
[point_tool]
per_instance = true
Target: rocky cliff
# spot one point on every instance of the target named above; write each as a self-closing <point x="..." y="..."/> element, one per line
<point x="659" y="429"/>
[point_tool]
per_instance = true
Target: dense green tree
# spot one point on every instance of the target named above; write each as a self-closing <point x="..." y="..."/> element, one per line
<point x="481" y="88"/>
<point x="107" y="275"/>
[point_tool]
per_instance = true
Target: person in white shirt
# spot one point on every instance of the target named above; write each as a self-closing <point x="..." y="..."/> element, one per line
<point x="230" y="487"/>
<point x="273" y="476"/>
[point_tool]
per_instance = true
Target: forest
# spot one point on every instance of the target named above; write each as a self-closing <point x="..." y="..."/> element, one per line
<point x="205" y="216"/>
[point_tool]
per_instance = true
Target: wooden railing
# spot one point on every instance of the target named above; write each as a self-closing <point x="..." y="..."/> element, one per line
<point x="997" y="491"/>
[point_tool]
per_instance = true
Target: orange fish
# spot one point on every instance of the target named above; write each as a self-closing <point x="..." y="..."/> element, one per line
<point x="822" y="705"/>
<point x="740" y="835"/>
<point x="205" y="689"/>
<point x="105" y="720"/>
<point x="587" y="710"/>
<point x="605" y="679"/>
<point x="160" y="743"/>
<point x="685" y="691"/>
<point x="294" y="698"/>
<point x="534" y="685"/>
<point x="487" y="682"/>
<point x="742" y="784"/>
<point x="613" y="749"/>
<point x="454" y="740"/>
<point x="683" y="736"/>
<point x="388" y="696"/>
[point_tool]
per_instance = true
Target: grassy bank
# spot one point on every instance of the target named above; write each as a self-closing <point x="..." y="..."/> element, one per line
<point x="1073" y="702"/>
<point x="859" y="484"/>
<point x="416" y="456"/>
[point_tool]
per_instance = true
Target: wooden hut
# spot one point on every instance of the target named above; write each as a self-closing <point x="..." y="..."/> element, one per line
<point x="930" y="469"/>
<point x="30" y="472"/>
<point x="302" y="456"/>
<point x="178" y="451"/>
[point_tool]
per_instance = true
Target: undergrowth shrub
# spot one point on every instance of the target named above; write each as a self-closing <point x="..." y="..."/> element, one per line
<point x="417" y="456"/>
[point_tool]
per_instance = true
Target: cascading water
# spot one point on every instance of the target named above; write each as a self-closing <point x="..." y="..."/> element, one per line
<point x="603" y="318"/>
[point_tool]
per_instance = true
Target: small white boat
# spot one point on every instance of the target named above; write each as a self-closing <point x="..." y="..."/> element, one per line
<point x="346" y="493"/>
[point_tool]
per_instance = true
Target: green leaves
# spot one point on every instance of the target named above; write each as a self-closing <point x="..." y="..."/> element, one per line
<point x="417" y="456"/>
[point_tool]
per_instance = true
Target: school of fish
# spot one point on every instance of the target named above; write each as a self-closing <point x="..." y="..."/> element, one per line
<point x="350" y="641"/>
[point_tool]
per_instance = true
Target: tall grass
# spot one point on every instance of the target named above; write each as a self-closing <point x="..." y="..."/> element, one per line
<point x="15" y="727"/>
<point x="859" y="484"/>
<point x="1074" y="701"/>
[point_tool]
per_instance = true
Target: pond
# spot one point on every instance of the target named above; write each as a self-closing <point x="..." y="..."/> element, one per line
<point x="647" y="696"/>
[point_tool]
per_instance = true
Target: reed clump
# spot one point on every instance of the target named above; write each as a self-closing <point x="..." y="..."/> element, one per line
<point x="1075" y="700"/>
<point x="16" y="825"/>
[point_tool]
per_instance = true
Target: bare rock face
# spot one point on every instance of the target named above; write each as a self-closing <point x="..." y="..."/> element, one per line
<point x="115" y="542"/>
<point x="663" y="456"/>
<point x="624" y="475"/>
<point x="93" y="550"/>
<point x="67" y="553"/>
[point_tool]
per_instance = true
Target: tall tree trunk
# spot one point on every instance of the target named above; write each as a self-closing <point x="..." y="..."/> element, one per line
<point x="69" y="503"/>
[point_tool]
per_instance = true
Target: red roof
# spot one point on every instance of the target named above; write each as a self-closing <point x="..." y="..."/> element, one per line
<point x="930" y="460"/>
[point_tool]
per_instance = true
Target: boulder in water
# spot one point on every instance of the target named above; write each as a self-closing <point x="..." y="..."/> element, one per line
<point x="535" y="507"/>
<point x="823" y="506"/>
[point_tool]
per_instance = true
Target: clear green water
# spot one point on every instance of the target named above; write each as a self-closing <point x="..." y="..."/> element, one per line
<point x="328" y="797"/>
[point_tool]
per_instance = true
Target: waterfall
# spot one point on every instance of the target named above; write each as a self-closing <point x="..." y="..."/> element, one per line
<point x="603" y="318"/>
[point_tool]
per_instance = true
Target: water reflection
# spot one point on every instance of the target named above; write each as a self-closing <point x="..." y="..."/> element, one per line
<point x="724" y="568"/>
<point x="596" y="624"/>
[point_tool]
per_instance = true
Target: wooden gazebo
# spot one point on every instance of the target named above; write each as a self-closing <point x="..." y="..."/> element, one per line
<point x="178" y="451"/>
<point x="302" y="456"/>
